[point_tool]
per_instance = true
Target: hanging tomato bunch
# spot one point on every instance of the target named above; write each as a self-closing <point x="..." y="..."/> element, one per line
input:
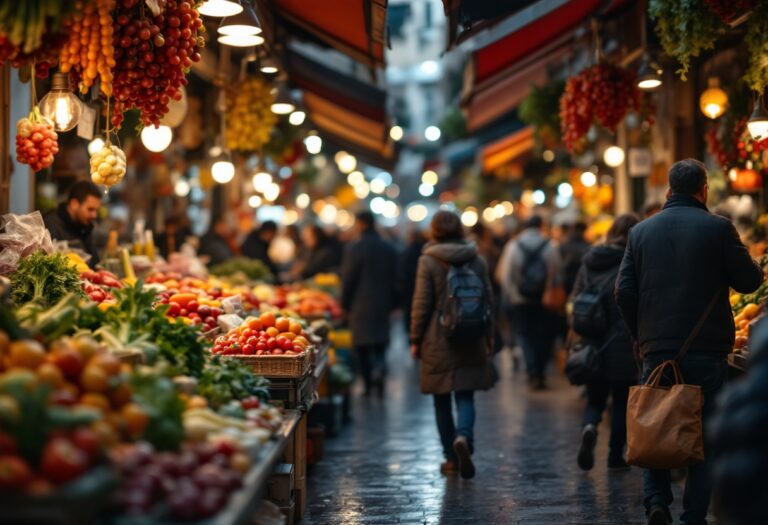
<point x="731" y="145"/>
<point x="90" y="50"/>
<point x="153" y="54"/>
<point x="601" y="94"/>
<point x="36" y="141"/>
<point x="249" y="115"/>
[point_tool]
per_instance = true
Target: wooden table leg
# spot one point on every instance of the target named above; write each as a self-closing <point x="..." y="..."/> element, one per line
<point x="296" y="454"/>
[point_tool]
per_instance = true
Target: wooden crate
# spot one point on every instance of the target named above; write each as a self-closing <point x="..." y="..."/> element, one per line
<point x="278" y="365"/>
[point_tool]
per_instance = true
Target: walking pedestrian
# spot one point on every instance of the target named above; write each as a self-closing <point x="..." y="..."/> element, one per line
<point x="572" y="250"/>
<point x="409" y="262"/>
<point x="321" y="256"/>
<point x="529" y="265"/>
<point x="618" y="369"/>
<point x="215" y="244"/>
<point x="454" y="363"/>
<point x="676" y="263"/>
<point x="369" y="279"/>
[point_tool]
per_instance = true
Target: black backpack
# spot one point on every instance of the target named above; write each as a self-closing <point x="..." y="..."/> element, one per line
<point x="465" y="311"/>
<point x="589" y="317"/>
<point x="534" y="272"/>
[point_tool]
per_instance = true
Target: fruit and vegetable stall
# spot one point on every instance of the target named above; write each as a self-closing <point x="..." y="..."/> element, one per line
<point x="168" y="398"/>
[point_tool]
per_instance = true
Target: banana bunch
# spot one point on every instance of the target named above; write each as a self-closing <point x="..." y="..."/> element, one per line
<point x="249" y="115"/>
<point x="26" y="22"/>
<point x="108" y="165"/>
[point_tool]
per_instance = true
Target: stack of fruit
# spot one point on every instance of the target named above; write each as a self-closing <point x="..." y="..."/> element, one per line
<point x="746" y="309"/>
<point x="264" y="335"/>
<point x="36" y="141"/>
<point x="198" y="309"/>
<point x="97" y="285"/>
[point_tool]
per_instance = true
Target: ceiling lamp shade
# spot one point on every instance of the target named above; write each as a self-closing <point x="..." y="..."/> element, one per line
<point x="220" y="8"/>
<point x="649" y="75"/>
<point x="714" y="100"/>
<point x="283" y="104"/>
<point x="241" y="40"/>
<point x="268" y="65"/>
<point x="758" y="121"/>
<point x="243" y="23"/>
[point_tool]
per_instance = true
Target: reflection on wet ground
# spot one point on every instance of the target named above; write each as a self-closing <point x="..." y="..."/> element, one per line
<point x="384" y="467"/>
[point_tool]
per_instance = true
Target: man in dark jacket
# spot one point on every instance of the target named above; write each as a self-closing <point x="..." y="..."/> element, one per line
<point x="676" y="263"/>
<point x="74" y="219"/>
<point x="215" y="244"/>
<point x="256" y="245"/>
<point x="369" y="279"/>
<point x="572" y="251"/>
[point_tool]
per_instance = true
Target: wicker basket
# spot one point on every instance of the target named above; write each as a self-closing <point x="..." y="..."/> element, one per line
<point x="278" y="365"/>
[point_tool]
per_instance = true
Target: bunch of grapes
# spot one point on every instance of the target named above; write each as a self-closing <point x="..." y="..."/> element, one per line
<point x="602" y="93"/>
<point x="90" y="50"/>
<point x="153" y="55"/>
<point x="249" y="115"/>
<point x="728" y="10"/>
<point x="43" y="58"/>
<point x="36" y="141"/>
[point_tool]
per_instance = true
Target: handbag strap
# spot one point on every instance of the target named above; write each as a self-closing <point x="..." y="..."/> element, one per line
<point x="696" y="329"/>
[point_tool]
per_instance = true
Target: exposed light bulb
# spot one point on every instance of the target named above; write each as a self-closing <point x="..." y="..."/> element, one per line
<point x="60" y="105"/>
<point x="396" y="133"/>
<point x="156" y="139"/>
<point x="96" y="145"/>
<point x="614" y="156"/>
<point x="432" y="133"/>
<point x="314" y="144"/>
<point x="297" y="118"/>
<point x="223" y="171"/>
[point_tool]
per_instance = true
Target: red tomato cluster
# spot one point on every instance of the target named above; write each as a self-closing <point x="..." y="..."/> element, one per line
<point x="193" y="307"/>
<point x="152" y="55"/>
<point x="97" y="284"/>
<point x="45" y="57"/>
<point x="602" y="93"/>
<point x="263" y="335"/>
<point x="36" y="143"/>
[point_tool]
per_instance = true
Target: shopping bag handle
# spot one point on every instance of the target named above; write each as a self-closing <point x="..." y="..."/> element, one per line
<point x="654" y="380"/>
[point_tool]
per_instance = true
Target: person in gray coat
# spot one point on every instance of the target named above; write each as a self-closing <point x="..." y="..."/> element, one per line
<point x="369" y="279"/>
<point x="449" y="367"/>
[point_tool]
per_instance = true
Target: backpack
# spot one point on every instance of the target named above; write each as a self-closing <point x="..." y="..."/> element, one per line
<point x="465" y="312"/>
<point x="534" y="272"/>
<point x="589" y="317"/>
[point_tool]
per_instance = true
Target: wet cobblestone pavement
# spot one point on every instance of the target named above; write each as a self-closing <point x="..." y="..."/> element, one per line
<point x="384" y="466"/>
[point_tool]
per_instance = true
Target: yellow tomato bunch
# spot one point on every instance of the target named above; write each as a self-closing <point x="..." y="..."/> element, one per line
<point x="90" y="49"/>
<point x="249" y="115"/>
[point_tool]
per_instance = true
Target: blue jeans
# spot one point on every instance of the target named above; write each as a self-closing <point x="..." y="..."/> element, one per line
<point x="597" y="398"/>
<point x="465" y="406"/>
<point x="709" y="372"/>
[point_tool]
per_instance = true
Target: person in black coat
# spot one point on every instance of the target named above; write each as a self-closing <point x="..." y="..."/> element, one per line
<point x="618" y="369"/>
<point x="369" y="283"/>
<point x="74" y="219"/>
<point x="256" y="245"/>
<point x="409" y="262"/>
<point x="676" y="264"/>
<point x="739" y="436"/>
<point x="572" y="250"/>
<point x="214" y="244"/>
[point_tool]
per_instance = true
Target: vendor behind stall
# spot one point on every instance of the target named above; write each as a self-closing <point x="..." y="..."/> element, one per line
<point x="75" y="218"/>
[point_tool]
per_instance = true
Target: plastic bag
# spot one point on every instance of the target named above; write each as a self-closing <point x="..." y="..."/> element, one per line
<point x="22" y="236"/>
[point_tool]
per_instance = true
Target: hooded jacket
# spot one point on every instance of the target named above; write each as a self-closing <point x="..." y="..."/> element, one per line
<point x="510" y="268"/>
<point x="447" y="366"/>
<point x="676" y="262"/>
<point x="601" y="265"/>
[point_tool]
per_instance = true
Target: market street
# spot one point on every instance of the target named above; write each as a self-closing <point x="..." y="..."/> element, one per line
<point x="383" y="467"/>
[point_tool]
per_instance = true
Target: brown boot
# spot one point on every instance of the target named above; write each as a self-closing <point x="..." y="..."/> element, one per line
<point x="449" y="467"/>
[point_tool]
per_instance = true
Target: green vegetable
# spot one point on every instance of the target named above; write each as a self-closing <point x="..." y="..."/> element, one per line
<point x="685" y="28"/>
<point x="250" y="269"/>
<point x="158" y="396"/>
<point x="541" y="109"/>
<point x="756" y="40"/>
<point x="227" y="379"/>
<point x="44" y="279"/>
<point x="53" y="322"/>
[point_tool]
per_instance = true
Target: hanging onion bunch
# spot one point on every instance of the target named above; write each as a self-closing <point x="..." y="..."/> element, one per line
<point x="90" y="50"/>
<point x="153" y="55"/>
<point x="249" y="115"/>
<point x="601" y="94"/>
<point x="108" y="165"/>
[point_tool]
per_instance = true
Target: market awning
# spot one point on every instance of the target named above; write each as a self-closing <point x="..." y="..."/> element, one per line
<point x="507" y="150"/>
<point x="476" y="15"/>
<point x="356" y="28"/>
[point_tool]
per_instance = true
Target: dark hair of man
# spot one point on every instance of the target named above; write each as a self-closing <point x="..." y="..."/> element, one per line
<point x="366" y="219"/>
<point x="268" y="226"/>
<point x="687" y="177"/>
<point x="534" y="222"/>
<point x="446" y="226"/>
<point x="81" y="189"/>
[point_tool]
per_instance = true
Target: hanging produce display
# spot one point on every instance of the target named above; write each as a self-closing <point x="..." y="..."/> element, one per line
<point x="249" y="115"/>
<point x="36" y="141"/>
<point x="152" y="55"/>
<point x="540" y="110"/>
<point x="601" y="94"/>
<point x="108" y="165"/>
<point x="89" y="51"/>
<point x="32" y="32"/>
<point x="685" y="29"/>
